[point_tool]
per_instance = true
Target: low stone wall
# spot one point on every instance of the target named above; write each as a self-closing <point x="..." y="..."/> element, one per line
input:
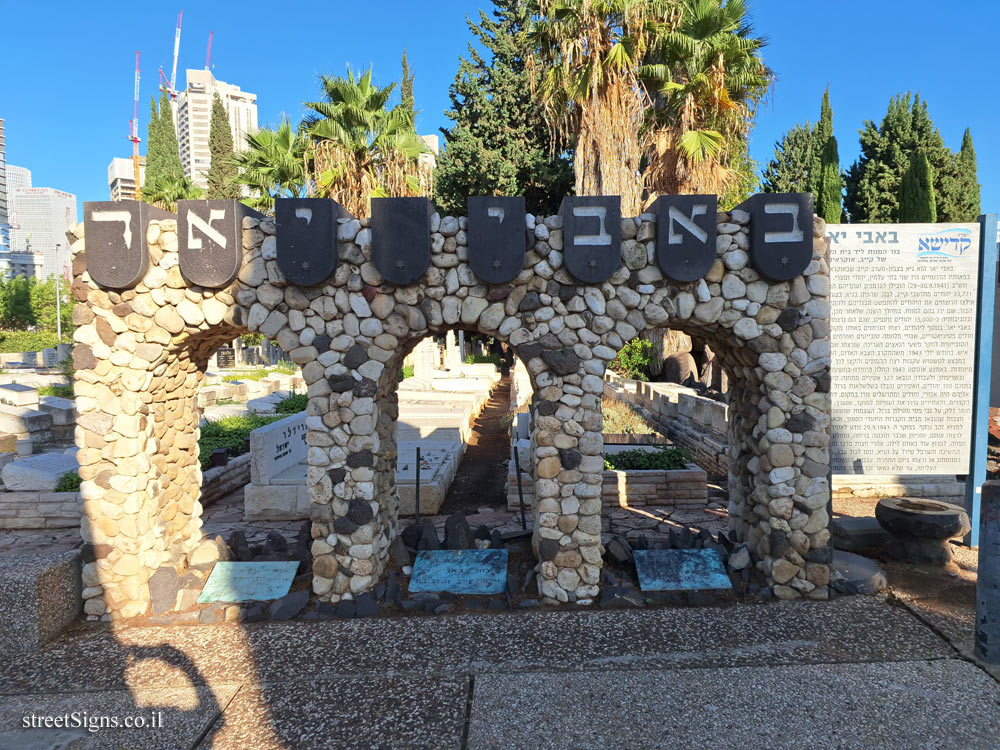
<point x="874" y="486"/>
<point x="681" y="488"/>
<point x="40" y="510"/>
<point x="690" y="420"/>
<point x="219" y="481"/>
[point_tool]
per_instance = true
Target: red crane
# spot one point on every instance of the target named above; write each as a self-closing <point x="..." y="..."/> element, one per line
<point x="134" y="129"/>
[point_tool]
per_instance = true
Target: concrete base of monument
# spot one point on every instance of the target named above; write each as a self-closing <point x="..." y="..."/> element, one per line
<point x="286" y="497"/>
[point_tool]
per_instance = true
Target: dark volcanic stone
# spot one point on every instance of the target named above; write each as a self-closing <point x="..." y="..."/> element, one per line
<point x="529" y="302"/>
<point x="529" y="351"/>
<point x="276" y="542"/>
<point x="361" y="458"/>
<point x="356" y="356"/>
<point x="547" y="408"/>
<point x="337" y="475"/>
<point x="550" y="341"/>
<point x="346" y="609"/>
<point x="411" y="536"/>
<point x="779" y="543"/>
<point x="428" y="536"/>
<point x="398" y="552"/>
<point x="340" y="383"/>
<point x="822" y="381"/>
<point x="360" y="511"/>
<point x="562" y="361"/>
<point x="496" y="604"/>
<point x="570" y="459"/>
<point x="566" y="293"/>
<point x="789" y="319"/>
<point x="322" y="343"/>
<point x="457" y="533"/>
<point x="548" y="548"/>
<point x="482" y="532"/>
<point x="366" y="605"/>
<point x="344" y="525"/>
<point x="366" y="387"/>
<point x="289" y="605"/>
<point x="801" y="422"/>
<point x="619" y="551"/>
<point x="393" y="592"/>
<point x="498" y="293"/>
<point x="411" y="605"/>
<point x="253" y="613"/>
<point x="163" y="587"/>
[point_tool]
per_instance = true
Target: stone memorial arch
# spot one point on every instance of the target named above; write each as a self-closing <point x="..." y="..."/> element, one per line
<point x="348" y="298"/>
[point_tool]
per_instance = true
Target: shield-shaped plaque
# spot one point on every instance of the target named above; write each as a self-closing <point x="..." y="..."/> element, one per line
<point x="307" y="238"/>
<point x="497" y="237"/>
<point x="116" y="254"/>
<point x="781" y="240"/>
<point x="210" y="240"/>
<point x="401" y="238"/>
<point x="685" y="235"/>
<point x="592" y="236"/>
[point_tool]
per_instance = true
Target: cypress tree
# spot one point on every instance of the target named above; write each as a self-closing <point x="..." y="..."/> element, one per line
<point x="222" y="172"/>
<point x="916" y="192"/>
<point x="964" y="187"/>
<point x="788" y="171"/>
<point x="406" y="90"/>
<point x="171" y="151"/>
<point x="499" y="144"/>
<point x="154" y="151"/>
<point x="827" y="185"/>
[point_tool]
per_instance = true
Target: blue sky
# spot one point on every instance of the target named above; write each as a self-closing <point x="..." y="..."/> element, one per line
<point x="66" y="75"/>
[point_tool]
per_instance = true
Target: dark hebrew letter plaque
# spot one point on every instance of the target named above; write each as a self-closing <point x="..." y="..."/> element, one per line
<point x="116" y="254"/>
<point x="210" y="241"/>
<point x="497" y="238"/>
<point x="781" y="228"/>
<point x="307" y="238"/>
<point x="592" y="237"/>
<point x="401" y="238"/>
<point x="685" y="235"/>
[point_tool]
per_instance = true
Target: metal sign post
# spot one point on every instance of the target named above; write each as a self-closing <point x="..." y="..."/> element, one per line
<point x="520" y="493"/>
<point x="416" y="501"/>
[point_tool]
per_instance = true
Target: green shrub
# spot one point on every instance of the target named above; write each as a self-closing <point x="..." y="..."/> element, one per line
<point x="285" y="367"/>
<point x="69" y="482"/>
<point x="623" y="418"/>
<point x="634" y="359"/>
<point x="665" y="458"/>
<point x="26" y="341"/>
<point x="293" y="404"/>
<point x="252" y="339"/>
<point x="62" y="391"/>
<point x="67" y="369"/>
<point x="483" y="359"/>
<point x="407" y="372"/>
<point x="229" y="433"/>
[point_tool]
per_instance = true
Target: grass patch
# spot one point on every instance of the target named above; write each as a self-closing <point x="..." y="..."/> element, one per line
<point x="407" y="372"/>
<point x="667" y="459"/>
<point x="282" y="368"/>
<point x="292" y="404"/>
<point x="27" y="341"/>
<point x="229" y="433"/>
<point x="621" y="417"/>
<point x="483" y="359"/>
<point x="225" y="402"/>
<point x="69" y="482"/>
<point x="62" y="391"/>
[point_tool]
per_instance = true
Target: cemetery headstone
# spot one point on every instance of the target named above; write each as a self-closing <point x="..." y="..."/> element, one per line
<point x="276" y="447"/>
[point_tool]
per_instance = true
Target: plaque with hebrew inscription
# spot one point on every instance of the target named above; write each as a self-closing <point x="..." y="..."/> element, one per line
<point x="781" y="234"/>
<point x="685" y="235"/>
<point x="681" y="570"/>
<point x="497" y="238"/>
<point x="592" y="237"/>
<point x="307" y="238"/>
<point x="401" y="238"/>
<point x="117" y="256"/>
<point x="210" y="241"/>
<point x="248" y="581"/>
<point x="468" y="571"/>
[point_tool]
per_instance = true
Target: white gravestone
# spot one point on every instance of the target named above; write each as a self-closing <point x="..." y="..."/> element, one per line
<point x="277" y="447"/>
<point x="39" y="473"/>
<point x="903" y="333"/>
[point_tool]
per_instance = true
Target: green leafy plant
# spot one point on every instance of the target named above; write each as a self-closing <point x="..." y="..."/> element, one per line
<point x="407" y="372"/>
<point x="252" y="339"/>
<point x="622" y="418"/>
<point x="229" y="433"/>
<point x="62" y="391"/>
<point x="483" y="359"/>
<point x="667" y="459"/>
<point x="293" y="404"/>
<point x="634" y="359"/>
<point x="69" y="482"/>
<point x="27" y="341"/>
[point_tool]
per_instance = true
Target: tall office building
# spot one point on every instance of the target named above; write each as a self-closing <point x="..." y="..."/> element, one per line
<point x="4" y="218"/>
<point x="121" y="178"/>
<point x="194" y="115"/>
<point x="41" y="217"/>
<point x="16" y="177"/>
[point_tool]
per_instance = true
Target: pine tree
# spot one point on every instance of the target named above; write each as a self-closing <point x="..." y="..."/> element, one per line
<point x="789" y="170"/>
<point x="826" y="183"/>
<point x="222" y="172"/>
<point x="916" y="192"/>
<point x="499" y="144"/>
<point x="406" y="90"/>
<point x="873" y="182"/>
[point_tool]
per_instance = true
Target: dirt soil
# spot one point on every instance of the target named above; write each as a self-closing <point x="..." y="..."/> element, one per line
<point x="481" y="480"/>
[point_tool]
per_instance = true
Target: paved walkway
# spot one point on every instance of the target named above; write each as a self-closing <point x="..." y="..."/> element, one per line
<point x="855" y="672"/>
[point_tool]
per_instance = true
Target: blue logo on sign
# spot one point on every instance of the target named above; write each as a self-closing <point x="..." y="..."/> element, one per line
<point x="948" y="243"/>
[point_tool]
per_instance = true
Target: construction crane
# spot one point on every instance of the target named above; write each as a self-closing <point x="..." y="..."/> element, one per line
<point x="134" y="131"/>
<point x="208" y="54"/>
<point x="171" y="86"/>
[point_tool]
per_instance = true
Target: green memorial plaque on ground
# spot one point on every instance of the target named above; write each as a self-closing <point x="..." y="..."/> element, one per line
<point x="468" y="571"/>
<point x="248" y="581"/>
<point x="680" y="570"/>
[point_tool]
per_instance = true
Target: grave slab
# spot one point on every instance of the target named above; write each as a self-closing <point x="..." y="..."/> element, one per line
<point x="248" y="581"/>
<point x="62" y="410"/>
<point x="39" y="473"/>
<point x="474" y="571"/>
<point x="680" y="570"/>
<point x="16" y="394"/>
<point x="276" y="447"/>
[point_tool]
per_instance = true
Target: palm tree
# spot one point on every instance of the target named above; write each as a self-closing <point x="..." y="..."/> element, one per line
<point x="361" y="149"/>
<point x="273" y="165"/>
<point x="166" y="190"/>
<point x="705" y="77"/>
<point x="586" y="61"/>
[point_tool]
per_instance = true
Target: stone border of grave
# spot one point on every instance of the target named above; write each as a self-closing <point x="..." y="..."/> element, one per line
<point x="141" y="352"/>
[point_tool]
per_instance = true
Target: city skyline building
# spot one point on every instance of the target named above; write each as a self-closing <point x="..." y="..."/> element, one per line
<point x="194" y="115"/>
<point x="41" y="216"/>
<point x="4" y="218"/>
<point x="121" y="178"/>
